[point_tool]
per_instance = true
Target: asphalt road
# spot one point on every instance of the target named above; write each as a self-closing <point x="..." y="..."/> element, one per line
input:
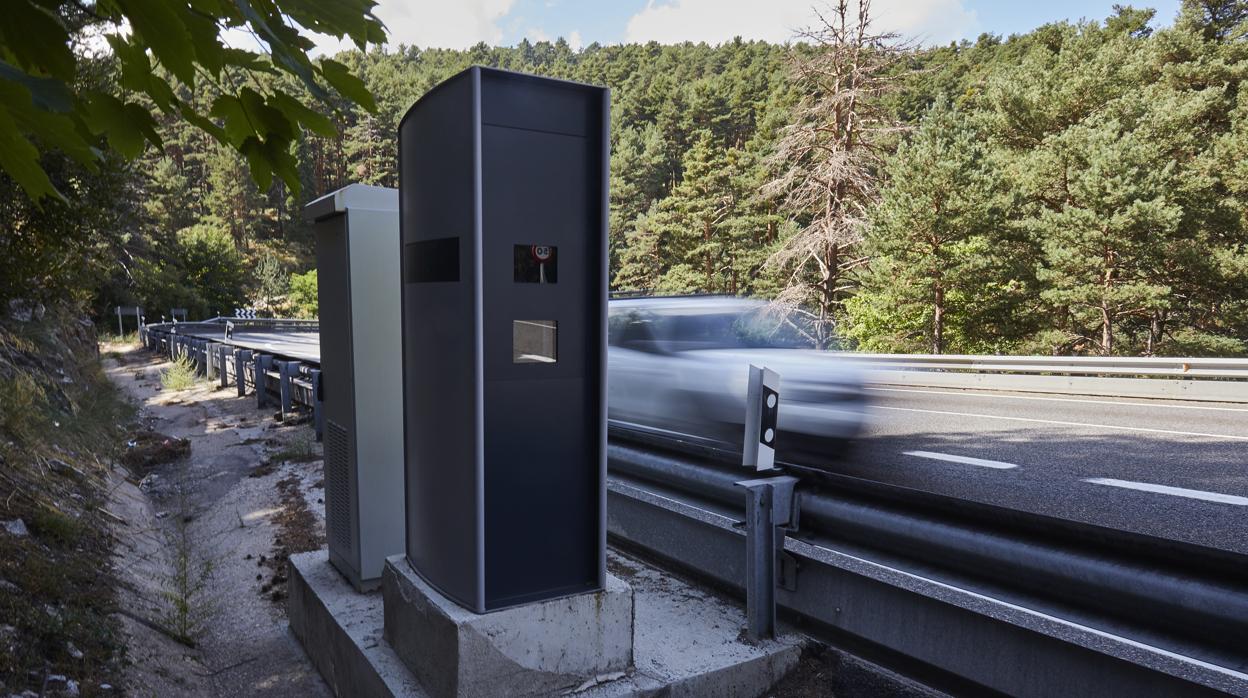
<point x="1173" y="469"/>
<point x="1166" y="468"/>
<point x="305" y="346"/>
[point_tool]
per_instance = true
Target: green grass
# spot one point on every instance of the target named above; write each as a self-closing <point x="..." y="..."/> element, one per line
<point x="301" y="448"/>
<point x="59" y="590"/>
<point x="130" y="337"/>
<point x="180" y="375"/>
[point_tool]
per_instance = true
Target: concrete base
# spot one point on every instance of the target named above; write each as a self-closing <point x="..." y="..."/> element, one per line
<point x="539" y="648"/>
<point x="686" y="642"/>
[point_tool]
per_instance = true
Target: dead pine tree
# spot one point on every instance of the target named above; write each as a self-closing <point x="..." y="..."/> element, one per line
<point x="829" y="157"/>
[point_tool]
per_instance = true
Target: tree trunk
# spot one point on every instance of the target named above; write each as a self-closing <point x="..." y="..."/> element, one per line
<point x="828" y="304"/>
<point x="708" y="261"/>
<point x="938" y="321"/>
<point x="1107" y="332"/>
<point x="1107" y="318"/>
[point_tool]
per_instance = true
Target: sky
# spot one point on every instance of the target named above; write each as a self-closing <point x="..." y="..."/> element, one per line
<point x="462" y="23"/>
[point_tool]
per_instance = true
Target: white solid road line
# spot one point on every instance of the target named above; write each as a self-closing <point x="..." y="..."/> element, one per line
<point x="1176" y="491"/>
<point x="982" y="393"/>
<point x="1067" y="424"/>
<point x="999" y="465"/>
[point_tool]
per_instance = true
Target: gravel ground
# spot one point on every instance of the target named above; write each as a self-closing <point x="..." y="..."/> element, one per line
<point x="210" y="532"/>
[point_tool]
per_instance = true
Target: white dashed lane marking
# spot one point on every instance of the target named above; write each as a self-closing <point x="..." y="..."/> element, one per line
<point x="967" y="460"/>
<point x="1175" y="491"/>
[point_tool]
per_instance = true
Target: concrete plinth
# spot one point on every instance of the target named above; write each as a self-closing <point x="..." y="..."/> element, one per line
<point x="685" y="641"/>
<point x="536" y="649"/>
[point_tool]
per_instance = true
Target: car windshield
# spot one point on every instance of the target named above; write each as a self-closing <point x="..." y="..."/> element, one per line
<point x="679" y="329"/>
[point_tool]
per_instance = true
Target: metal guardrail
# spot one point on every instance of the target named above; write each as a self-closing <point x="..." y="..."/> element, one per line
<point x="274" y="379"/>
<point x="1173" y="378"/>
<point x="992" y="599"/>
<point x="1145" y="367"/>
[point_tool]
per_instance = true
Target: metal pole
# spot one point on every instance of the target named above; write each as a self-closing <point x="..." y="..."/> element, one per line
<point x="264" y="362"/>
<point x="242" y="358"/>
<point x="317" y="404"/>
<point x="769" y="511"/>
<point x="119" y="330"/>
<point x="222" y="351"/>
<point x="289" y="369"/>
<point x="760" y="565"/>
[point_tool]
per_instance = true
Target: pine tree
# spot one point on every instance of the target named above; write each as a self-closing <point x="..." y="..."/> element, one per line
<point x="938" y="239"/>
<point x="829" y="156"/>
<point x="1103" y="240"/>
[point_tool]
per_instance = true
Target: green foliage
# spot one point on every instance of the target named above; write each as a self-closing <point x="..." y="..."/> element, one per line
<point x="1003" y="182"/>
<point x="166" y="51"/>
<point x="211" y="269"/>
<point x="1119" y="212"/>
<point x="302" y="295"/>
<point x="271" y="282"/>
<point x="179" y="376"/>
<point x="944" y="256"/>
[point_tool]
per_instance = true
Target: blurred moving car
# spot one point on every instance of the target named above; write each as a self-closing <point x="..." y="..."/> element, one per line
<point x="677" y="368"/>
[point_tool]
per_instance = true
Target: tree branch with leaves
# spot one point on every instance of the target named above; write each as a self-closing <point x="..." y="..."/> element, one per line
<point x="166" y="51"/>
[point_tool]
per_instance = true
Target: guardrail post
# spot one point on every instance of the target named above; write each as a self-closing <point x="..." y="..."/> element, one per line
<point x="223" y="350"/>
<point x="288" y="370"/>
<point x="210" y="351"/>
<point x="264" y="362"/>
<point x="317" y="403"/>
<point x="242" y="358"/>
<point x="201" y="356"/>
<point x="770" y="510"/>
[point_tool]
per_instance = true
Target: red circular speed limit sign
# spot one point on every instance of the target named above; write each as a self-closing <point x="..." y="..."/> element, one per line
<point x="541" y="253"/>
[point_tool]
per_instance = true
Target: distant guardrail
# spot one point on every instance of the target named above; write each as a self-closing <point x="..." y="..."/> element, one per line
<point x="275" y="379"/>
<point x="1203" y="379"/>
<point x="1178" y="378"/>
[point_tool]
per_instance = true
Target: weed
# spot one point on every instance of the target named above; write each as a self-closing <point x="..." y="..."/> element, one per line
<point x="301" y="448"/>
<point x="58" y="596"/>
<point x="185" y="587"/>
<point x="56" y="528"/>
<point x="131" y="337"/>
<point x="180" y="375"/>
<point x="23" y="411"/>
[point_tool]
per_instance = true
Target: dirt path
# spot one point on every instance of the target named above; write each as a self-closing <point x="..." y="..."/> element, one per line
<point x="202" y="551"/>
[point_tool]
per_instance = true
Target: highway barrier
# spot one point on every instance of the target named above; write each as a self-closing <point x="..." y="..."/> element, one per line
<point x="1175" y="378"/>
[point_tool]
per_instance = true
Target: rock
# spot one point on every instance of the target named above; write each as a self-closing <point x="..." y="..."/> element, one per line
<point x="161" y="514"/>
<point x="6" y="585"/>
<point x="74" y="651"/>
<point x="148" y="449"/>
<point x="71" y="688"/>
<point x="16" y="527"/>
<point x="54" y="680"/>
<point x="24" y="311"/>
<point x="60" y="467"/>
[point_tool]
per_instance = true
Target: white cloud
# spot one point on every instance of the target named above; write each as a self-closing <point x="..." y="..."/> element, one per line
<point x="535" y="35"/>
<point x="435" y="23"/>
<point x="575" y="41"/>
<point x="716" y="21"/>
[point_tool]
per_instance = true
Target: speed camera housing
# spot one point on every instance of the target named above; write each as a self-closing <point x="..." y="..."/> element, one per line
<point x="503" y="209"/>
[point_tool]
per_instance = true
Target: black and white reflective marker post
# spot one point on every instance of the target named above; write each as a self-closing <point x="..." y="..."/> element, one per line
<point x="770" y="505"/>
<point x="762" y="408"/>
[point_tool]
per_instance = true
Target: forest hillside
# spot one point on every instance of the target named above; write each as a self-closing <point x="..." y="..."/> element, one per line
<point x="1081" y="188"/>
